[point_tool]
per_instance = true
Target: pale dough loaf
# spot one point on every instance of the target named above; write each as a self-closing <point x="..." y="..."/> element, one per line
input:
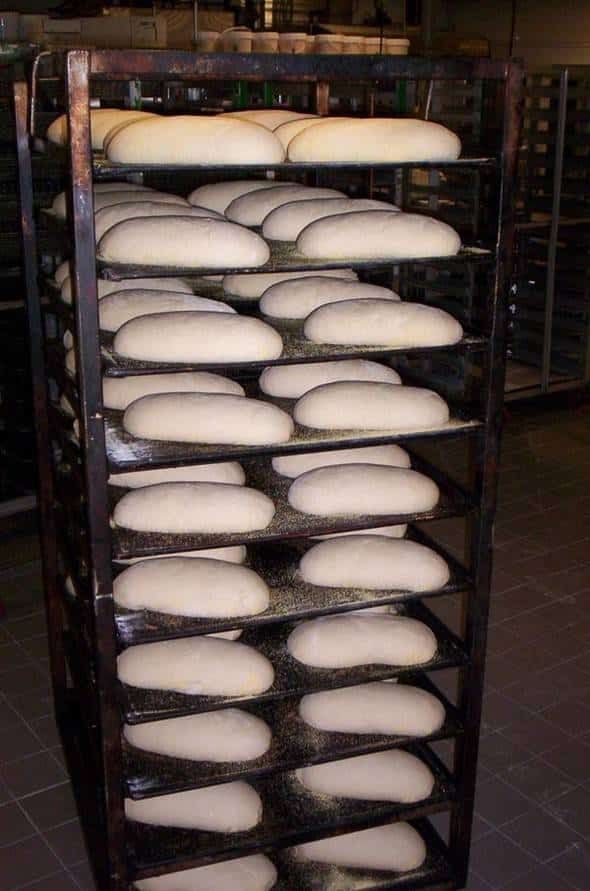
<point x="382" y="323"/>
<point x="218" y="196"/>
<point x="297" y="298"/>
<point x="375" y="708"/>
<point x="385" y="236"/>
<point x="197" y="666"/>
<point x="120" y="186"/>
<point x="207" y="418"/>
<point x="232" y="554"/>
<point x="357" y="489"/>
<point x="183" y="241"/>
<point x="109" y="216"/>
<point x="114" y="199"/>
<point x="288" y="131"/>
<point x="394" y="848"/>
<point x="119" y="392"/>
<point x="62" y="273"/>
<point x="255" y="873"/>
<point x="101" y="121"/>
<point x="221" y="472"/>
<point x="229" y="734"/>
<point x="347" y="640"/>
<point x="292" y="381"/>
<point x="294" y="465"/>
<point x="271" y="118"/>
<point x="370" y="405"/>
<point x="198" y="337"/>
<point x="105" y="287"/>
<point x="121" y="306"/>
<point x="374" y="562"/>
<point x="194" y="507"/>
<point x="254" y="285"/>
<point x="287" y="221"/>
<point x="188" y="139"/>
<point x="229" y="807"/>
<point x="394" y="775"/>
<point x="375" y="140"/>
<point x="192" y="586"/>
<point x="252" y="208"/>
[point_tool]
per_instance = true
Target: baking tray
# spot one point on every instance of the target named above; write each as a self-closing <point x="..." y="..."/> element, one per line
<point x="291" y="815"/>
<point x="287" y="522"/>
<point x="285" y="258"/>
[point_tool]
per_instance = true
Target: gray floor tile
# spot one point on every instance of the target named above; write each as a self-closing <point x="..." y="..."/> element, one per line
<point x="51" y="807"/>
<point x="32" y="774"/>
<point x="499" y="860"/>
<point x="25" y="862"/>
<point x="540" y="834"/>
<point x="67" y="842"/>
<point x="574" y="865"/>
<point x="537" y="779"/>
<point x="14" y="825"/>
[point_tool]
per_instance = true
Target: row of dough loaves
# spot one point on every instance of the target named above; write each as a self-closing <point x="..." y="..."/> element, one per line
<point x="261" y="137"/>
<point x="396" y="848"/>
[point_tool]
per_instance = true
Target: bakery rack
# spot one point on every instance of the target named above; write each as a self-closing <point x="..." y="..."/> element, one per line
<point x="86" y="630"/>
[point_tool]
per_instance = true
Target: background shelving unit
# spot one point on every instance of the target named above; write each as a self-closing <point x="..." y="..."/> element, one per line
<point x="87" y="631"/>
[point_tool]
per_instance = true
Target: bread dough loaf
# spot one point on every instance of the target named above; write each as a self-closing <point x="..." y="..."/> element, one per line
<point x="287" y="221"/>
<point x="232" y="554"/>
<point x="213" y="337"/>
<point x="109" y="216"/>
<point x="209" y="418"/>
<point x="370" y="405"/>
<point x="62" y="273"/>
<point x="221" y="472"/>
<point x="294" y="465"/>
<point x="385" y="236"/>
<point x="197" y="666"/>
<point x="394" y="848"/>
<point x="194" y="507"/>
<point x="252" y="208"/>
<point x="374" y="562"/>
<point x="121" y="306"/>
<point x="183" y="241"/>
<point x="229" y="807"/>
<point x="348" y="640"/>
<point x="357" y="489"/>
<point x="218" y="196"/>
<point x="388" y="531"/>
<point x="192" y="586"/>
<point x="119" y="392"/>
<point x="382" y="323"/>
<point x="254" y="873"/>
<point x="229" y="734"/>
<point x="115" y="198"/>
<point x="101" y="121"/>
<point x="297" y="298"/>
<point x="254" y="285"/>
<point x="189" y="139"/>
<point x="289" y="130"/>
<point x="376" y="708"/>
<point x="375" y="141"/>
<point x="394" y="775"/>
<point x="271" y="118"/>
<point x="292" y="381"/>
<point x="104" y="287"/>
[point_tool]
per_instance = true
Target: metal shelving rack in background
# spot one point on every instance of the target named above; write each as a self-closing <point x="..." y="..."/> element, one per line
<point x="87" y="631"/>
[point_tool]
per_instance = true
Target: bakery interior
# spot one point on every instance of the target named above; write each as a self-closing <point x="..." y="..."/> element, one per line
<point x="294" y="502"/>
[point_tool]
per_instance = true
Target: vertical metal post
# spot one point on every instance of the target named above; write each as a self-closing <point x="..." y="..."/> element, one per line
<point x="485" y="469"/>
<point x="47" y="521"/>
<point x="554" y="231"/>
<point x="322" y="97"/>
<point x="94" y="458"/>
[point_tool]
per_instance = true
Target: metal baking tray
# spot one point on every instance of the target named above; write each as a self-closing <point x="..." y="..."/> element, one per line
<point x="126" y="452"/>
<point x="290" y="597"/>
<point x="435" y="874"/>
<point x="287" y="522"/>
<point x="291" y="815"/>
<point x="285" y="258"/>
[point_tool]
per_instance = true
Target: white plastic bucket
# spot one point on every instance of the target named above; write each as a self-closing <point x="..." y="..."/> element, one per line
<point x="294" y="42"/>
<point x="236" y="40"/>
<point x="265" y="42"/>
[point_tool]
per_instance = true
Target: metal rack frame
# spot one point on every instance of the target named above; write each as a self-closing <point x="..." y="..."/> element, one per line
<point x="89" y="714"/>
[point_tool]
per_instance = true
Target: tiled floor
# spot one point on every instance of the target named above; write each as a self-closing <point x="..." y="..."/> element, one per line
<point x="532" y="830"/>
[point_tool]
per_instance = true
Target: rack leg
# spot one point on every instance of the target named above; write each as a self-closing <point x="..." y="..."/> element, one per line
<point x="47" y="519"/>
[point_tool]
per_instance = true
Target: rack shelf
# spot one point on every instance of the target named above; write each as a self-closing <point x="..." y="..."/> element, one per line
<point x="79" y="539"/>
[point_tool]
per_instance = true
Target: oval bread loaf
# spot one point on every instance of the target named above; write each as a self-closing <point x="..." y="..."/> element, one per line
<point x="297" y="298"/>
<point x="287" y="221"/>
<point x="229" y="807"/>
<point x="292" y="381"/>
<point x="220" y="472"/>
<point x="252" y="208"/>
<point x="218" y="196"/>
<point x="194" y="507"/>
<point x="102" y="120"/>
<point x="183" y="241"/>
<point x="294" y="465"/>
<point x="255" y="873"/>
<point x="211" y="337"/>
<point x="105" y="287"/>
<point x="103" y="200"/>
<point x="119" y="392"/>
<point x="359" y="489"/>
<point x="254" y="285"/>
<point x="271" y="118"/>
<point x="107" y="217"/>
<point x="396" y="848"/>
<point x="121" y="306"/>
